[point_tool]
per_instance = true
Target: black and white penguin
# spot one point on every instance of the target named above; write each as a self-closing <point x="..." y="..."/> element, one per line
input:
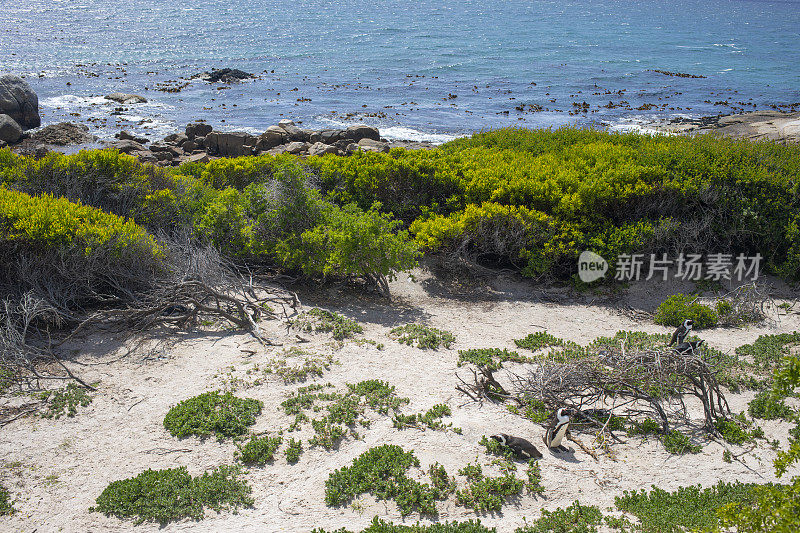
<point x="521" y="447"/>
<point x="557" y="430"/>
<point x="680" y="334"/>
<point x="688" y="347"/>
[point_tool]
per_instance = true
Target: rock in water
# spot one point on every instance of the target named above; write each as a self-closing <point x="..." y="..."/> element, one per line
<point x="18" y="101"/>
<point x="227" y="75"/>
<point x="124" y="98"/>
<point x="64" y="133"/>
<point x="10" y="131"/>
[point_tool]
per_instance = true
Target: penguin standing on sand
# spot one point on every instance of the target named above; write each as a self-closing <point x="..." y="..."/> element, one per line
<point x="688" y="347"/>
<point x="521" y="447"/>
<point x="557" y="430"/>
<point x="680" y="334"/>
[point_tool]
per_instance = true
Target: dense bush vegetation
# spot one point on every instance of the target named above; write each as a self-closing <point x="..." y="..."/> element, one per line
<point x="381" y="526"/>
<point x="172" y="494"/>
<point x="425" y="336"/>
<point x="679" y="307"/>
<point x="223" y="415"/>
<point x="259" y="450"/>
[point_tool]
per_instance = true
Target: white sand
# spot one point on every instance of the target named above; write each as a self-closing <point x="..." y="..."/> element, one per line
<point x="59" y="467"/>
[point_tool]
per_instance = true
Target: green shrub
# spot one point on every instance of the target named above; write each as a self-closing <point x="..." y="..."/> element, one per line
<point x="539" y="340"/>
<point x="487" y="494"/>
<point x="379" y="526"/>
<point x="318" y="319"/>
<point x="490" y="358"/>
<point x="294" y="451"/>
<point x="431" y="419"/>
<point x="732" y="430"/>
<point x="67" y="399"/>
<point x="679" y="307"/>
<point x="767" y="406"/>
<point x="381" y="471"/>
<point x="259" y="450"/>
<point x="677" y="443"/>
<point x="6" y="505"/>
<point x="688" y="508"/>
<point x="223" y="415"/>
<point x="648" y="426"/>
<point x="767" y="350"/>
<point x="425" y="336"/>
<point x="172" y="494"/>
<point x="576" y="518"/>
<point x="534" y="473"/>
<point x="444" y="484"/>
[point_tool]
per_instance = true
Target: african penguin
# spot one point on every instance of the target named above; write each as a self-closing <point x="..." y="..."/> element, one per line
<point x="557" y="430"/>
<point x="687" y="347"/>
<point x="521" y="447"/>
<point x="680" y="334"/>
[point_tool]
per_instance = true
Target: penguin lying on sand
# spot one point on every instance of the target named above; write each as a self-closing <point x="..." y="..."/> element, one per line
<point x="687" y="347"/>
<point x="680" y="334"/>
<point x="557" y="430"/>
<point x="521" y="447"/>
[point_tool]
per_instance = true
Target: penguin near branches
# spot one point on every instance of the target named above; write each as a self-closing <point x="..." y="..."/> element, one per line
<point x="679" y="335"/>
<point x="557" y="430"/>
<point x="519" y="446"/>
<point x="688" y="347"/>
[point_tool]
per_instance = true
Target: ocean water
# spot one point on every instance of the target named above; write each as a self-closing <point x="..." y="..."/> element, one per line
<point x="416" y="69"/>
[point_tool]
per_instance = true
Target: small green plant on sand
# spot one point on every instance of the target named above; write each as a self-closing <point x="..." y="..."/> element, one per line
<point x="677" y="443"/>
<point x="172" y="494"/>
<point x="381" y="526"/>
<point x="489" y="358"/>
<point x="6" y="505"/>
<point x="534" y="482"/>
<point x="488" y="494"/>
<point x="259" y="450"/>
<point x="734" y="430"/>
<point x="65" y="399"/>
<point x="223" y="415"/>
<point x="679" y="307"/>
<point x="294" y="451"/>
<point x="325" y="321"/>
<point x="382" y="472"/>
<point x="769" y="406"/>
<point x="767" y="350"/>
<point x="425" y="336"/>
<point x="576" y="518"/>
<point x="431" y="419"/>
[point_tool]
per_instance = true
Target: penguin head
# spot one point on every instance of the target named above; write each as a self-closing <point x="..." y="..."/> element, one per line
<point x="501" y="438"/>
<point x="688" y="323"/>
<point x="696" y="344"/>
<point x="564" y="413"/>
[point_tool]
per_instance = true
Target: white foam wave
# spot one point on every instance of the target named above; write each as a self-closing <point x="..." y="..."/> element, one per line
<point x="409" y="134"/>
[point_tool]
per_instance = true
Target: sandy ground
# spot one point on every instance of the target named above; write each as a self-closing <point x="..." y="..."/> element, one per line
<point x="56" y="468"/>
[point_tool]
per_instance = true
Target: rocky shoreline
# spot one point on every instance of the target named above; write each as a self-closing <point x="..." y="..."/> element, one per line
<point x="770" y="125"/>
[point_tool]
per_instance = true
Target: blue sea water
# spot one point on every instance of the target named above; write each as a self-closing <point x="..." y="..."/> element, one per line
<point x="417" y="69"/>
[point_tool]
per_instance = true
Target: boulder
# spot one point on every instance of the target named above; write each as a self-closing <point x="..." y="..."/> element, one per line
<point x="64" y="133"/>
<point x="189" y="147"/>
<point x="197" y="129"/>
<point x="10" y="131"/>
<point x="226" y="75"/>
<point x="322" y="149"/>
<point x="198" y="158"/>
<point x="127" y="146"/>
<point x="361" y="131"/>
<point x="293" y="132"/>
<point x="124" y="135"/>
<point x="296" y="147"/>
<point x="18" y="101"/>
<point x="330" y="136"/>
<point x="370" y="145"/>
<point x="274" y="136"/>
<point x="230" y="144"/>
<point x="125" y="98"/>
<point x="145" y="156"/>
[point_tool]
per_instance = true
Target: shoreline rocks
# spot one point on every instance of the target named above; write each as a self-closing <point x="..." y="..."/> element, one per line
<point x="20" y="105"/>
<point x="770" y="125"/>
<point x="125" y="98"/>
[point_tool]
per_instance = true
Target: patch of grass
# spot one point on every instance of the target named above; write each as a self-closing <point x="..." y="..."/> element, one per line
<point x="678" y="307"/>
<point x="223" y="415"/>
<point x="381" y="471"/>
<point x="487" y="494"/>
<point x="259" y="450"/>
<point x="425" y="336"/>
<point x="491" y="358"/>
<point x="318" y="319"/>
<point x="6" y="505"/>
<point x="677" y="443"/>
<point x="172" y="494"/>
<point x="767" y="350"/>
<point x="294" y="451"/>
<point x="67" y="399"/>
<point x="380" y="526"/>
<point x="431" y="419"/>
<point x="688" y="508"/>
<point x="576" y="518"/>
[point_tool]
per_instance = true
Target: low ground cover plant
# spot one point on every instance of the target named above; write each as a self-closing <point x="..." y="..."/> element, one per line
<point x="431" y="419"/>
<point x="259" y="450"/>
<point x="576" y="518"/>
<point x="65" y="400"/>
<point x="317" y="319"/>
<point x="381" y="526"/>
<point x="212" y="413"/>
<point x="172" y="494"/>
<point x="488" y="494"/>
<point x="424" y="336"/>
<point x="6" y="505"/>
